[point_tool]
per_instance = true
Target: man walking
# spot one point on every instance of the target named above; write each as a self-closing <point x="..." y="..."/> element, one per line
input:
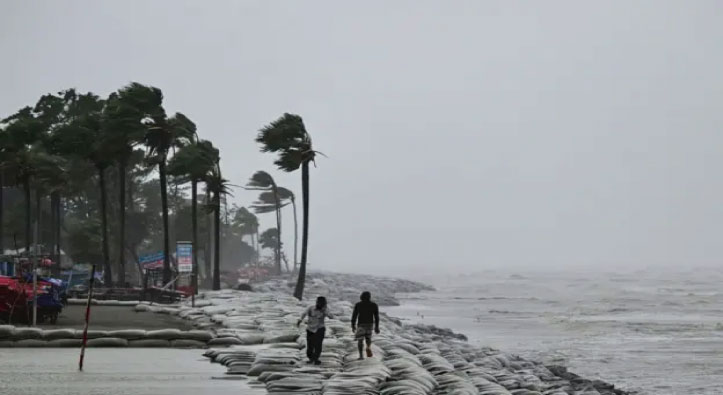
<point x="365" y="319"/>
<point x="315" y="329"/>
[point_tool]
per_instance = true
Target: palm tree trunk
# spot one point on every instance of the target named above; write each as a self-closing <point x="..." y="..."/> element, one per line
<point x="194" y="226"/>
<point x="277" y="250"/>
<point x="164" y="207"/>
<point x="37" y="241"/>
<point x="299" y="291"/>
<point x="58" y="225"/>
<point x="207" y="250"/>
<point x="296" y="233"/>
<point x="55" y="234"/>
<point x="258" y="250"/>
<point x="217" y="242"/>
<point x="28" y="209"/>
<point x="107" y="273"/>
<point x="122" y="165"/>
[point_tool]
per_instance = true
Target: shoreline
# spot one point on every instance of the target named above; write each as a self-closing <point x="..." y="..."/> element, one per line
<point x="441" y="359"/>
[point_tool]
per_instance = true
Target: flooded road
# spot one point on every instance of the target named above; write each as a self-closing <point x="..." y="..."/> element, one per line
<point x="110" y="371"/>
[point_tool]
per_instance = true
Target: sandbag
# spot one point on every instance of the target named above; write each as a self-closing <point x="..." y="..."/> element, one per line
<point x="7" y="343"/>
<point x="141" y="307"/>
<point x="259" y="368"/>
<point x="128" y="334"/>
<point x="281" y="337"/>
<point x="198" y="335"/>
<point x="53" y="334"/>
<point x="6" y="331"/>
<point x="224" y="341"/>
<point x="92" y="334"/>
<point x="31" y="343"/>
<point x="149" y="343"/>
<point x="65" y="343"/>
<point x="251" y="338"/>
<point x="23" y="333"/>
<point x="187" y="343"/>
<point x="165" y="334"/>
<point x="107" y="342"/>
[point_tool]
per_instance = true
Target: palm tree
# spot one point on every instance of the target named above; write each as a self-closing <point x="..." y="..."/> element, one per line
<point x="262" y="181"/>
<point x="247" y="224"/>
<point x="85" y="136"/>
<point x="286" y="194"/>
<point x="123" y="124"/>
<point x="269" y="239"/>
<point x="21" y="131"/>
<point x="161" y="134"/>
<point x="288" y="137"/>
<point x="218" y="186"/>
<point x="194" y="162"/>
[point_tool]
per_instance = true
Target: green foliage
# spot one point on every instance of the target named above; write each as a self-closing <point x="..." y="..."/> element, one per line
<point x="288" y="138"/>
<point x="269" y="239"/>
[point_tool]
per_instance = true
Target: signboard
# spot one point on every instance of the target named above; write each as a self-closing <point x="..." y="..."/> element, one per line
<point x="184" y="256"/>
<point x="152" y="261"/>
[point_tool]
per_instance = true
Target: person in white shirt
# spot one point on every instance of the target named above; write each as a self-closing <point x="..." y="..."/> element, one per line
<point x="315" y="328"/>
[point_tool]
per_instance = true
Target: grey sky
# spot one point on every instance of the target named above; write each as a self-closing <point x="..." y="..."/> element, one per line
<point x="461" y="135"/>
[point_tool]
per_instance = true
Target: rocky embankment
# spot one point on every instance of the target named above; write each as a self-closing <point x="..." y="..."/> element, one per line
<point x="408" y="359"/>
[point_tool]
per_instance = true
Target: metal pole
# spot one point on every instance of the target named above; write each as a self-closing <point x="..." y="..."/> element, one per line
<point x="87" y="317"/>
<point x="35" y="270"/>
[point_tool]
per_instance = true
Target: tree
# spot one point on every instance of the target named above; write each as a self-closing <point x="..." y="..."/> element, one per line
<point x="123" y="125"/>
<point x="269" y="200"/>
<point x="22" y="130"/>
<point x="218" y="186"/>
<point x="269" y="239"/>
<point x="247" y="224"/>
<point x="161" y="134"/>
<point x="287" y="136"/>
<point x="194" y="162"/>
<point x="85" y="136"/>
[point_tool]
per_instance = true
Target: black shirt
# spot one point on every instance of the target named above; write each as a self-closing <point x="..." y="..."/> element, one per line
<point x="367" y="312"/>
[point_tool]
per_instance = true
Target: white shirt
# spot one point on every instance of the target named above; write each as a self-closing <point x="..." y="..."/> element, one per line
<point x="316" y="318"/>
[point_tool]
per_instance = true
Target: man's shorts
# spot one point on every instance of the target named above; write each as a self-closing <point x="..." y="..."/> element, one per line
<point x="364" y="331"/>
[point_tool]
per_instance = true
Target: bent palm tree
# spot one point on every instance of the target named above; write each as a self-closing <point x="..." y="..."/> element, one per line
<point x="262" y="181"/>
<point x="288" y="137"/>
<point x="218" y="186"/>
<point x="161" y="134"/>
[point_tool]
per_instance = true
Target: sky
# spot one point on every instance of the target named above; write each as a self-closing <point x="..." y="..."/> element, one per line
<point x="460" y="136"/>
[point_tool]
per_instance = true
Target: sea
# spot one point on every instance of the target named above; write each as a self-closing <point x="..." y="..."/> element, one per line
<point x="648" y="331"/>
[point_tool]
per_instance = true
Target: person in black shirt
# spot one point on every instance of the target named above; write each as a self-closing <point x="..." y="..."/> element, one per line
<point x="365" y="319"/>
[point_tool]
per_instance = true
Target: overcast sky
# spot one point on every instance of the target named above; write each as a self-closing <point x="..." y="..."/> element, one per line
<point x="461" y="135"/>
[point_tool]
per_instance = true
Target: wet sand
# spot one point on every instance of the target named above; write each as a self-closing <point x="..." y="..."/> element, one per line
<point x="109" y="371"/>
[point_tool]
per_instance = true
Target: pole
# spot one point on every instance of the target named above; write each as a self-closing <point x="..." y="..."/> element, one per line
<point x="36" y="256"/>
<point x="87" y="317"/>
